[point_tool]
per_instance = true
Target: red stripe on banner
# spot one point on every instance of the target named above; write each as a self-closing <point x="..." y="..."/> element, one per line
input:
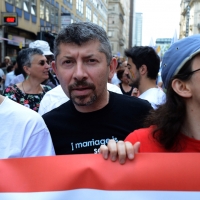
<point x="148" y="171"/>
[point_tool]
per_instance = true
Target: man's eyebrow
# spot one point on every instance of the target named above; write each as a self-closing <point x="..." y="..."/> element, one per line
<point x="88" y="56"/>
<point x="128" y="64"/>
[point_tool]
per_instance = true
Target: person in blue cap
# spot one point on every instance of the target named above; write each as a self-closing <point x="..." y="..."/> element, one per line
<point x="174" y="126"/>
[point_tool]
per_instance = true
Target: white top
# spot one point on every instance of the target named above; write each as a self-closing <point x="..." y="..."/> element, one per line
<point x="9" y="77"/>
<point x="17" y="79"/>
<point x="56" y="97"/>
<point x="115" y="80"/>
<point x="155" y="96"/>
<point x="1" y="73"/>
<point x="23" y="132"/>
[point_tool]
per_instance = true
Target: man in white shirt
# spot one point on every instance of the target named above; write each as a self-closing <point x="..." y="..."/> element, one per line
<point x="57" y="97"/>
<point x="142" y="69"/>
<point x="23" y="132"/>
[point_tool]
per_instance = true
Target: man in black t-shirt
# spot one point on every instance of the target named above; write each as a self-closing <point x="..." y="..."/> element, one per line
<point x="83" y="64"/>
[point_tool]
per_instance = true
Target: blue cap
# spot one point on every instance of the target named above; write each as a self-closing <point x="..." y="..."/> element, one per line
<point x="177" y="55"/>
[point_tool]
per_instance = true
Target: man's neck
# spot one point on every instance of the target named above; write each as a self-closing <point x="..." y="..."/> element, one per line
<point x="146" y="84"/>
<point x="100" y="103"/>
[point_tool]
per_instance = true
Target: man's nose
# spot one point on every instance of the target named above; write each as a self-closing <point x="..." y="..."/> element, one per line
<point x="80" y="71"/>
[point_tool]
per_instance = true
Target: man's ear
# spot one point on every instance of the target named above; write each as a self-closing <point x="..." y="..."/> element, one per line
<point x="53" y="64"/>
<point x="181" y="88"/>
<point x="143" y="69"/>
<point x="112" y="68"/>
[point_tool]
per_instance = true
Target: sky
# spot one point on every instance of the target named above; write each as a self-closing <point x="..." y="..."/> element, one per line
<point x="160" y="18"/>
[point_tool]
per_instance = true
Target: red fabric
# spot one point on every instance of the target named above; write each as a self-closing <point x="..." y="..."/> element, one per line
<point x="149" y="144"/>
<point x="148" y="171"/>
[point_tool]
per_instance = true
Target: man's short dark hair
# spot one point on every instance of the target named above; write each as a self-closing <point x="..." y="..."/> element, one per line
<point x="144" y="55"/>
<point x="82" y="32"/>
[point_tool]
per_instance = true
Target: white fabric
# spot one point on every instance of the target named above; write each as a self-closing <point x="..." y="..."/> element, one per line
<point x="17" y="79"/>
<point x="23" y="132"/>
<point x="115" y="80"/>
<point x="57" y="97"/>
<point x="155" y="96"/>
<point x="1" y="73"/>
<point x="9" y="77"/>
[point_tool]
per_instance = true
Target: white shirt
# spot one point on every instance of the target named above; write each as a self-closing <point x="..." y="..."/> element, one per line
<point x="9" y="77"/>
<point x="155" y="96"/>
<point x="1" y="73"/>
<point x="56" y="97"/>
<point x="23" y="132"/>
<point x="115" y="80"/>
<point x="18" y="79"/>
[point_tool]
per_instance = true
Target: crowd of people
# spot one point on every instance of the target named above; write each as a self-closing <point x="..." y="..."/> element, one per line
<point x="87" y="98"/>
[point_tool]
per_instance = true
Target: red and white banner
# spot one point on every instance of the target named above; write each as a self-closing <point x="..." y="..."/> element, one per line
<point x="77" y="177"/>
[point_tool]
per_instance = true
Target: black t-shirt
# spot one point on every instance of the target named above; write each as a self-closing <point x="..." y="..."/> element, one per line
<point x="74" y="132"/>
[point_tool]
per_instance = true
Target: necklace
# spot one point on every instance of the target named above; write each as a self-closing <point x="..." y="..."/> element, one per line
<point x="25" y="91"/>
<point x="23" y="87"/>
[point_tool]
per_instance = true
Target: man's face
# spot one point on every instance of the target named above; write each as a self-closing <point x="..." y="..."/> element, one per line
<point x="133" y="73"/>
<point x="83" y="73"/>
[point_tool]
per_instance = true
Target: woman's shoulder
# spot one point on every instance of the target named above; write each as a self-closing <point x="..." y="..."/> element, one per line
<point x="147" y="142"/>
<point x="46" y="88"/>
<point x="140" y="134"/>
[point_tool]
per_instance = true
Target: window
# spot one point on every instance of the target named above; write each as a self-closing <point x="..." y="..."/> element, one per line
<point x="52" y="15"/>
<point x="9" y="1"/>
<point x="94" y="19"/>
<point x="79" y="6"/>
<point x="56" y="16"/>
<point x="18" y="3"/>
<point x="42" y="9"/>
<point x="33" y="7"/>
<point x="26" y="5"/>
<point x="47" y="13"/>
<point x="111" y="20"/>
<point x="100" y="23"/>
<point x="104" y="27"/>
<point x="95" y="3"/>
<point x="88" y="13"/>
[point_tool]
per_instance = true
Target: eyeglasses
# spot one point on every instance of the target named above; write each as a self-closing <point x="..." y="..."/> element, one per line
<point x="42" y="62"/>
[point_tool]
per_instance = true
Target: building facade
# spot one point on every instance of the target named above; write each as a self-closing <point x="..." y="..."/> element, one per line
<point x="43" y="19"/>
<point x="137" y="37"/>
<point x="119" y="25"/>
<point x="190" y="18"/>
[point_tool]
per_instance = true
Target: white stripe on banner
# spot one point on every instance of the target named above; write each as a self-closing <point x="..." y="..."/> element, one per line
<point x="88" y="194"/>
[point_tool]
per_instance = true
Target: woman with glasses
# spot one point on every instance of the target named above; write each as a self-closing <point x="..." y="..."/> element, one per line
<point x="35" y="70"/>
<point x="174" y="126"/>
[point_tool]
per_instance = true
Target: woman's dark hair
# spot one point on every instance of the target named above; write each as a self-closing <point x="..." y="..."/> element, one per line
<point x="169" y="117"/>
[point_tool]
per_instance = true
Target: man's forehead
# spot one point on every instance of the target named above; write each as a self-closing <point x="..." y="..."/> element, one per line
<point x="74" y="49"/>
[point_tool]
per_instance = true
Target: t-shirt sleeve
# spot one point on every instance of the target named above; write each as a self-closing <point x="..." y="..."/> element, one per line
<point x="39" y="144"/>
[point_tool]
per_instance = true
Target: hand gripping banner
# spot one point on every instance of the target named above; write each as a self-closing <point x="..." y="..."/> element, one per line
<point x="90" y="177"/>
